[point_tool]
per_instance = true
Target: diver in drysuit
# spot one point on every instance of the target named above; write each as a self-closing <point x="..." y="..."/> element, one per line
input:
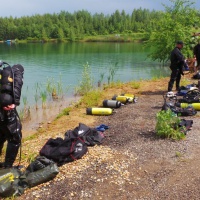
<point x="11" y="81"/>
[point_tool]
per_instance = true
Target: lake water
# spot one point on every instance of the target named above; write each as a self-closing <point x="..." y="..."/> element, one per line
<point x="65" y="61"/>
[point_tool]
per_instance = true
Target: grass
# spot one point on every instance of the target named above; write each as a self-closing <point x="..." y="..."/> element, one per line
<point x="125" y="37"/>
<point x="25" y="101"/>
<point x="91" y="98"/>
<point x="66" y="111"/>
<point x="155" y="78"/>
<point x="185" y="81"/>
<point x="178" y="154"/>
<point x="86" y="83"/>
<point x="117" y="84"/>
<point x="36" y="95"/>
<point x="135" y="84"/>
<point x="43" y="95"/>
<point x="55" y="88"/>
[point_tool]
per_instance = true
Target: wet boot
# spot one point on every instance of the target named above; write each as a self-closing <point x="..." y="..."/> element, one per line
<point x="11" y="154"/>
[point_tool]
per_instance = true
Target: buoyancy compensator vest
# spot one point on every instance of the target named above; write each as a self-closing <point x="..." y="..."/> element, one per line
<point x="11" y="81"/>
<point x="18" y="72"/>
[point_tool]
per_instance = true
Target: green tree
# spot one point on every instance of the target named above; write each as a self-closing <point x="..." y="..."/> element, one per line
<point x="44" y="35"/>
<point x="75" y="26"/>
<point x="176" y="24"/>
<point x="72" y="36"/>
<point x="60" y="34"/>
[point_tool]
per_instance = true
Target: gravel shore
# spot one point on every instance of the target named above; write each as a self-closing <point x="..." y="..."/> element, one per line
<point x="132" y="163"/>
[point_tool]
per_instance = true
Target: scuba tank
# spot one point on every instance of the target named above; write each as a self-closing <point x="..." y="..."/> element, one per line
<point x="99" y="111"/>
<point x="11" y="81"/>
<point x="6" y="80"/>
<point x="6" y="86"/>
<point x="111" y="104"/>
<point x="196" y="106"/>
<point x="132" y="97"/>
<point x="128" y="95"/>
<point x="122" y="99"/>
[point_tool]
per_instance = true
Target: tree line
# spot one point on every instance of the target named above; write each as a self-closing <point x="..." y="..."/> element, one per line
<point x="77" y="25"/>
<point x="161" y="28"/>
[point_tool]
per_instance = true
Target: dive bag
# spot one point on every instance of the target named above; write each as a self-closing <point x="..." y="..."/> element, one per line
<point x="90" y="135"/>
<point x="40" y="171"/>
<point x="62" y="151"/>
<point x="11" y="180"/>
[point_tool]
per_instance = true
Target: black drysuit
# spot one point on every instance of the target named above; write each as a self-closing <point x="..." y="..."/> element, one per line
<point x="10" y="131"/>
<point x="197" y="53"/>
<point x="177" y="63"/>
<point x="10" y="125"/>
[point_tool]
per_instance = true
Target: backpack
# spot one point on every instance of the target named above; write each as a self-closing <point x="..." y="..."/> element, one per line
<point x="90" y="135"/>
<point x="62" y="151"/>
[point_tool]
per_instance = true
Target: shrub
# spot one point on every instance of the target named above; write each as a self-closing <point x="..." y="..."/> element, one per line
<point x="167" y="125"/>
<point x="86" y="83"/>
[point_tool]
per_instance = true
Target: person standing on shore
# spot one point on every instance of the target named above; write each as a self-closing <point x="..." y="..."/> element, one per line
<point x="196" y="52"/>
<point x="176" y="66"/>
<point x="10" y="125"/>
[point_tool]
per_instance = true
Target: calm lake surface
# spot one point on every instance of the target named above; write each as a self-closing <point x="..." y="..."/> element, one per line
<point x="65" y="61"/>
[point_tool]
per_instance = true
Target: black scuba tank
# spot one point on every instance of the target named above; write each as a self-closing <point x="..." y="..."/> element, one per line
<point x="112" y="104"/>
<point x="6" y="80"/>
<point x="11" y="81"/>
<point x="6" y="86"/>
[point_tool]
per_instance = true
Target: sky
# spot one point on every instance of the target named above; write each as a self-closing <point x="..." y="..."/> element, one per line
<point x="21" y="8"/>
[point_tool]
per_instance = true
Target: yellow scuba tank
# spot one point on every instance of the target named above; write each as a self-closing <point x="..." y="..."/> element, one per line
<point x="132" y="97"/>
<point x="122" y="99"/>
<point x="196" y="106"/>
<point x="128" y="95"/>
<point x="99" y="111"/>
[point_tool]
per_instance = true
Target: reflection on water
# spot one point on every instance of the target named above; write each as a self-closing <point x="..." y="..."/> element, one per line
<point x="44" y="115"/>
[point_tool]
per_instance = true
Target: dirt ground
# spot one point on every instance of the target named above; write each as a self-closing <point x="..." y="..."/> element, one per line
<point x="132" y="163"/>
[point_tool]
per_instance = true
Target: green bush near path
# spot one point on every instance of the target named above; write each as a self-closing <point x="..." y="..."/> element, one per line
<point x="167" y="125"/>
